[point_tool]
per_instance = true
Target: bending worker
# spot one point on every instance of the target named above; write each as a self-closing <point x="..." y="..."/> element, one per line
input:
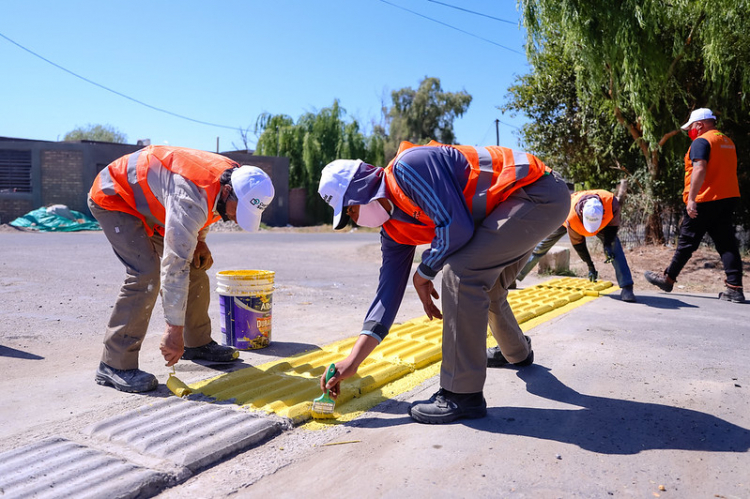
<point x="481" y="210"/>
<point x="155" y="207"/>
<point x="597" y="213"/>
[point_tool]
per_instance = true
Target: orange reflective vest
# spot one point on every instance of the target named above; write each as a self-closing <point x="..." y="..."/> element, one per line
<point x="574" y="221"/>
<point x="496" y="172"/>
<point x="123" y="184"/>
<point x="721" y="172"/>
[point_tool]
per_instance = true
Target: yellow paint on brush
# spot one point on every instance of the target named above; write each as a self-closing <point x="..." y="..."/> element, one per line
<point x="407" y="357"/>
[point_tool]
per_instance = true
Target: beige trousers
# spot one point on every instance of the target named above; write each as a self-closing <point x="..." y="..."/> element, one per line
<point x="476" y="280"/>
<point x="130" y="317"/>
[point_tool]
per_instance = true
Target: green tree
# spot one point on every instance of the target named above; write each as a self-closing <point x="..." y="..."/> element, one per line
<point x="100" y="133"/>
<point x="424" y="114"/>
<point x="644" y="64"/>
<point x="312" y="142"/>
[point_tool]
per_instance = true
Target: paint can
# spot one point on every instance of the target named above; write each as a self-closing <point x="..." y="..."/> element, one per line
<point x="245" y="305"/>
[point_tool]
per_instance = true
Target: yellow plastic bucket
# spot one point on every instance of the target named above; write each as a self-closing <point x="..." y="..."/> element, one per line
<point x="245" y="305"/>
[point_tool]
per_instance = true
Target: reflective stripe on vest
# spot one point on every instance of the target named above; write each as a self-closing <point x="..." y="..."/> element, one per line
<point x="490" y="182"/>
<point x="123" y="184"/>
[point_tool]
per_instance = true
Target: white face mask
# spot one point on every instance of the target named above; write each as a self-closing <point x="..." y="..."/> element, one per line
<point x="372" y="215"/>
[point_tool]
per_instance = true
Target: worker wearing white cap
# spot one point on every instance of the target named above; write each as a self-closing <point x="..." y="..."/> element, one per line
<point x="155" y="206"/>
<point x="711" y="194"/>
<point x="597" y="213"/>
<point x="480" y="211"/>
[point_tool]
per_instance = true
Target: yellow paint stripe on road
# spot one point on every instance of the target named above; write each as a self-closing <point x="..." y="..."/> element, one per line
<point x="408" y="356"/>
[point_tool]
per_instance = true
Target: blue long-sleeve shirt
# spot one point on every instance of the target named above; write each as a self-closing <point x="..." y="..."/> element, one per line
<point x="434" y="179"/>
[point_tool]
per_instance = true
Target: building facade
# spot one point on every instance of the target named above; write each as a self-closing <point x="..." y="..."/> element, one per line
<point x="36" y="173"/>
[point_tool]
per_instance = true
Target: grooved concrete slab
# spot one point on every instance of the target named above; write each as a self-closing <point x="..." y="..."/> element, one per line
<point x="59" y="468"/>
<point x="187" y="433"/>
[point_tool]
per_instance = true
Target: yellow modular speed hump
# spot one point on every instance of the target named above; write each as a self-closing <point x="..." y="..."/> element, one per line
<point x="409" y="355"/>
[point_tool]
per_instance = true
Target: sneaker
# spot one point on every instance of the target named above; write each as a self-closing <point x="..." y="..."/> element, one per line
<point x="125" y="380"/>
<point x="735" y="295"/>
<point x="212" y="352"/>
<point x="661" y="281"/>
<point x="495" y="357"/>
<point x="446" y="406"/>
<point x="626" y="294"/>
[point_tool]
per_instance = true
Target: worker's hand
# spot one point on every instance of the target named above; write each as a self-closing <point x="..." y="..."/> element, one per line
<point x="344" y="369"/>
<point x="692" y="209"/>
<point x="610" y="255"/>
<point x="593" y="274"/>
<point x="426" y="292"/>
<point x="172" y="345"/>
<point x="202" y="256"/>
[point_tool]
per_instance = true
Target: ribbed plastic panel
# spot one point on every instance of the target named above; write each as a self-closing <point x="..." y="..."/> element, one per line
<point x="288" y="387"/>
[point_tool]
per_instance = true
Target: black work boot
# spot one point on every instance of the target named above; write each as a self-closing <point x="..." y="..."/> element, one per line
<point x="626" y="294"/>
<point x="733" y="294"/>
<point x="125" y="380"/>
<point x="446" y="406"/>
<point x="212" y="352"/>
<point x="495" y="357"/>
<point x="661" y="281"/>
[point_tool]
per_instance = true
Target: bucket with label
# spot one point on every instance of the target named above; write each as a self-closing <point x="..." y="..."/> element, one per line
<point x="245" y="305"/>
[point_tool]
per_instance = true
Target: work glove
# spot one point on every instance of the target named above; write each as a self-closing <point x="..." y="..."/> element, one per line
<point x="593" y="274"/>
<point x="610" y="255"/>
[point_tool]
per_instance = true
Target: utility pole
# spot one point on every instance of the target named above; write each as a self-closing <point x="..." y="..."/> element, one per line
<point x="497" y="131"/>
<point x="217" y="145"/>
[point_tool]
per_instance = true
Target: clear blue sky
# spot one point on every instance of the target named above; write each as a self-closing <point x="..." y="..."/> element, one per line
<point x="226" y="62"/>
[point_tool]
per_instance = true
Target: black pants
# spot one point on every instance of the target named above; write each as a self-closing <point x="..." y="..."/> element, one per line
<point x="716" y="219"/>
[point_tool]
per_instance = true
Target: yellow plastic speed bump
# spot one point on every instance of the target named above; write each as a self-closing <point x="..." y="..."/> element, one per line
<point x="409" y="355"/>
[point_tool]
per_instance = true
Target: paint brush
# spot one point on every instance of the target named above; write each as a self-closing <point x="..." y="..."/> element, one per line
<point x="322" y="407"/>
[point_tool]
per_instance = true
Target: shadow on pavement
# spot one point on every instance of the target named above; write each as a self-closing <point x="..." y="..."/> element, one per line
<point x="611" y="426"/>
<point x="657" y="301"/>
<point x="18" y="354"/>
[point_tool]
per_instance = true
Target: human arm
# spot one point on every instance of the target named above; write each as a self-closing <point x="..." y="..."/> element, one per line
<point x="393" y="277"/>
<point x="608" y="235"/>
<point x="347" y="368"/>
<point x="698" y="176"/>
<point x="172" y="344"/>
<point x="186" y="211"/>
<point x="579" y="244"/>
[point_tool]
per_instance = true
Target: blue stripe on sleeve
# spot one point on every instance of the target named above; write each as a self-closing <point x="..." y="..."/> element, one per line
<point x="426" y="198"/>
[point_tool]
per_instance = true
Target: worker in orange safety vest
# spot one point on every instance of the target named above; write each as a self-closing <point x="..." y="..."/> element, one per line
<point x="155" y="207"/>
<point x="481" y="210"/>
<point x="711" y="195"/>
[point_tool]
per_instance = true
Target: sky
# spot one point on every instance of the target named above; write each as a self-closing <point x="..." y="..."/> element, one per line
<point x="171" y="71"/>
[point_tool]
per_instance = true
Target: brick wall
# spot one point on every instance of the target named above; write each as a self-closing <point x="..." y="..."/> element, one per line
<point x="62" y="178"/>
<point x="10" y="209"/>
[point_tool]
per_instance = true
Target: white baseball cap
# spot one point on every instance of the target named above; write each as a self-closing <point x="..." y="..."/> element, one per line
<point x="592" y="215"/>
<point x="254" y="192"/>
<point x="334" y="181"/>
<point x="698" y="115"/>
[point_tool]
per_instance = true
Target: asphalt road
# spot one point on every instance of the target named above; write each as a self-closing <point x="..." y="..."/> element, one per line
<point x="625" y="400"/>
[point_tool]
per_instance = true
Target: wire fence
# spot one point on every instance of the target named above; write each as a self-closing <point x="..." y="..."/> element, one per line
<point x="634" y="218"/>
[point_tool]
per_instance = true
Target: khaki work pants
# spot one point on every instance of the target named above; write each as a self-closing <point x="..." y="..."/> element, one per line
<point x="476" y="279"/>
<point x="130" y="317"/>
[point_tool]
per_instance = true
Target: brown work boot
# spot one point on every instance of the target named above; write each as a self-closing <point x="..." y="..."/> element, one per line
<point x="732" y="293"/>
<point x="661" y="281"/>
